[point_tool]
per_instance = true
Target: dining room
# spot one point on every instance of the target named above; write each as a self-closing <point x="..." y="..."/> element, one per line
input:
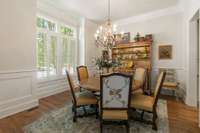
<point x="99" y="66"/>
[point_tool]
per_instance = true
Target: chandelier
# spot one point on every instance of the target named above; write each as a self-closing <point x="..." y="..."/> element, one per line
<point x="105" y="34"/>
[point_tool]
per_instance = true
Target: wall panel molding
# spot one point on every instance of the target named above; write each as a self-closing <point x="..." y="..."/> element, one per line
<point x="17" y="91"/>
<point x="51" y="87"/>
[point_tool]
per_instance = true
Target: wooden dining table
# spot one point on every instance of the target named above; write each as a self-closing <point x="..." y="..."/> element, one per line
<point x="93" y="84"/>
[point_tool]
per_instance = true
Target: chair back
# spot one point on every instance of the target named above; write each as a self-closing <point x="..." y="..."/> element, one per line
<point x="140" y="75"/>
<point x="72" y="87"/>
<point x="159" y="84"/>
<point x="82" y="73"/>
<point x="115" y="91"/>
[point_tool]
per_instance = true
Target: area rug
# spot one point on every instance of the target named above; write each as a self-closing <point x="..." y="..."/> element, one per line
<point x="60" y="121"/>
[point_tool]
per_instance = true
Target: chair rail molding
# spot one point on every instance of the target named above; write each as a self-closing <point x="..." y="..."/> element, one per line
<point x="17" y="91"/>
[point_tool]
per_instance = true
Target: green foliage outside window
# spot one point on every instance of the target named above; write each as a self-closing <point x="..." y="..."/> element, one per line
<point x="66" y="31"/>
<point x="53" y="52"/>
<point x="41" y="51"/>
<point x="65" y="56"/>
<point x="43" y="23"/>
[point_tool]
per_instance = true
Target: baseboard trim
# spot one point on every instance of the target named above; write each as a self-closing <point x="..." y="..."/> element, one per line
<point x="18" y="108"/>
<point x="51" y="92"/>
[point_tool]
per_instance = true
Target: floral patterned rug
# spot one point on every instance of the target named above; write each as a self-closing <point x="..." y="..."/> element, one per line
<point x="60" y="121"/>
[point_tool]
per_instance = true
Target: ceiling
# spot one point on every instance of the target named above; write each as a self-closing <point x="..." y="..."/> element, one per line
<point x="96" y="10"/>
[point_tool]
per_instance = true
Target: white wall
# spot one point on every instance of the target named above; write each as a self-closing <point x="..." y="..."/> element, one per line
<point x="17" y="55"/>
<point x="166" y="30"/>
<point x="91" y="50"/>
<point x="17" y="35"/>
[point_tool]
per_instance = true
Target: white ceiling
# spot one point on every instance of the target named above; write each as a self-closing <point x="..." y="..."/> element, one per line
<point x="96" y="10"/>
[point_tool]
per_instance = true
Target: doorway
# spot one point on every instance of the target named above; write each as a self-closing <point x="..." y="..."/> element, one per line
<point x="198" y="78"/>
<point x="198" y="67"/>
<point x="193" y="90"/>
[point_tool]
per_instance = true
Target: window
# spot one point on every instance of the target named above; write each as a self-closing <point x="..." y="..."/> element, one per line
<point x="56" y="49"/>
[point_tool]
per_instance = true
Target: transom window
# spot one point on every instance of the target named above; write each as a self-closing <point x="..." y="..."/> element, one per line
<point x="56" y="48"/>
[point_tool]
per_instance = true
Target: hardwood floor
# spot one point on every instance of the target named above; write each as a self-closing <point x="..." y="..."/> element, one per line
<point x="182" y="119"/>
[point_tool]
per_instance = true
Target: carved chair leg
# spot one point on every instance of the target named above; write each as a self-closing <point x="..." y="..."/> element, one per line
<point x="156" y="114"/>
<point x="72" y="108"/>
<point x="127" y="127"/>
<point x="75" y="115"/>
<point x="154" y="127"/>
<point x="142" y="115"/>
<point x="96" y="110"/>
<point x="101" y="126"/>
<point x="85" y="112"/>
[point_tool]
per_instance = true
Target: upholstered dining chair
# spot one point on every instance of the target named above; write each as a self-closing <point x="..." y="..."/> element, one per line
<point x="149" y="103"/>
<point x="115" y="99"/>
<point x="139" y="80"/>
<point x="80" y="99"/>
<point x="82" y="73"/>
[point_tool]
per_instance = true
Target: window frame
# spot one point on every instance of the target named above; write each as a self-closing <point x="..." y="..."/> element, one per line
<point x="59" y="36"/>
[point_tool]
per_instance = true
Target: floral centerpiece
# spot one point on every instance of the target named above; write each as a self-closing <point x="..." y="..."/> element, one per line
<point x="102" y="63"/>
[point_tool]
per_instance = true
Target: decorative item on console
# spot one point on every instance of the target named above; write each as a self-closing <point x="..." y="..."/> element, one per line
<point x="123" y="38"/>
<point x="147" y="38"/>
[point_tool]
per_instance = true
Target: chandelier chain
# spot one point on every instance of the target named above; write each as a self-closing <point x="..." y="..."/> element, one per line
<point x="109" y="10"/>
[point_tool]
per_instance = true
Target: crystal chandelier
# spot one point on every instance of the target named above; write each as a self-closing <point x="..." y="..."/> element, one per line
<point x="104" y="36"/>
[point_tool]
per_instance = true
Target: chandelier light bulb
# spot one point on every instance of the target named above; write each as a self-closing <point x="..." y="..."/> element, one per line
<point x="101" y="28"/>
<point x="95" y="35"/>
<point x="105" y="38"/>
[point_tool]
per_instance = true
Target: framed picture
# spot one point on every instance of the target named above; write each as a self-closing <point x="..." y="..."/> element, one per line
<point x="165" y="52"/>
<point x="122" y="39"/>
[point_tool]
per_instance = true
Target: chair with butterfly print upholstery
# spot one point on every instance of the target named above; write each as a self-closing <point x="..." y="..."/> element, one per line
<point x="115" y="99"/>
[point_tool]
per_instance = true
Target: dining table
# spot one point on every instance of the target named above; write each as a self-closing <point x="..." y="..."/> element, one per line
<point x="93" y="84"/>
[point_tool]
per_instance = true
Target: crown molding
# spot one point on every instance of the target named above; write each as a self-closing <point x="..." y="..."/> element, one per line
<point x="150" y="15"/>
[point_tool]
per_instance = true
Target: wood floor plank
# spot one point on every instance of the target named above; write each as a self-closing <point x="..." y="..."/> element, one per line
<point x="182" y="119"/>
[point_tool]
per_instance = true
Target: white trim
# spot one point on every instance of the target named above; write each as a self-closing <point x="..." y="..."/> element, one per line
<point x="18" y="71"/>
<point x="150" y="15"/>
<point x="25" y="105"/>
<point x="48" y="92"/>
<point x="52" y="78"/>
<point x="176" y="68"/>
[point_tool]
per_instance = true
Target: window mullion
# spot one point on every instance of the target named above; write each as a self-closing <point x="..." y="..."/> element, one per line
<point x="59" y="52"/>
<point x="48" y="54"/>
<point x="59" y="55"/>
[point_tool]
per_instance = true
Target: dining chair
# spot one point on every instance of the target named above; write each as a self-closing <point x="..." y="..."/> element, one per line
<point x="82" y="73"/>
<point x="80" y="99"/>
<point x="139" y="80"/>
<point x="115" y="99"/>
<point x="149" y="103"/>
